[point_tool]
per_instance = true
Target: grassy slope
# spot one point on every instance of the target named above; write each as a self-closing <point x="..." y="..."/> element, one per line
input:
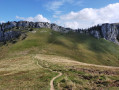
<point x="24" y="73"/>
<point x="20" y="69"/>
<point x="80" y="76"/>
<point x="80" y="47"/>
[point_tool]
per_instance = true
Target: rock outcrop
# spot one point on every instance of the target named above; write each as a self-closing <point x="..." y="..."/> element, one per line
<point x="110" y="32"/>
<point x="7" y="33"/>
<point x="107" y="31"/>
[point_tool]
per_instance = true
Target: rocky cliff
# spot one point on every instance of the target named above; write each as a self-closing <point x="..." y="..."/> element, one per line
<point x="107" y="31"/>
<point x="7" y="29"/>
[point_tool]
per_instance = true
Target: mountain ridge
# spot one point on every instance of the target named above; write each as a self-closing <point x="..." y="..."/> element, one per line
<point x="107" y="31"/>
<point x="34" y="62"/>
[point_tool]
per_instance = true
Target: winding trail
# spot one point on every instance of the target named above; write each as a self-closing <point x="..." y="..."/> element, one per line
<point x="66" y="61"/>
<point x="51" y="82"/>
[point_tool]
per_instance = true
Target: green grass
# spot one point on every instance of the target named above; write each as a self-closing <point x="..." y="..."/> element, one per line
<point x="27" y="80"/>
<point x="18" y="59"/>
<point x="23" y="73"/>
<point x="80" y="47"/>
<point x="74" y="78"/>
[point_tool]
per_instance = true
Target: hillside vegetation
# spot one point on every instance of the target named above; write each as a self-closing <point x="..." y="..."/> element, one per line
<point x="80" y="47"/>
<point x="84" y="61"/>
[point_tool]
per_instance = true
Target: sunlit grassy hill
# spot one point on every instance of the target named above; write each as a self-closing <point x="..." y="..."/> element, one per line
<point x="80" y="47"/>
<point x="39" y="55"/>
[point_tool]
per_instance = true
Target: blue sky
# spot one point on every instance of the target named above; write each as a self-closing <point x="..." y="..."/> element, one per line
<point x="68" y="13"/>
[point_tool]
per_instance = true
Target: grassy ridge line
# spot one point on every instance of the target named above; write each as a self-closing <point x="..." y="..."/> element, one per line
<point x="67" y="61"/>
<point x="79" y="47"/>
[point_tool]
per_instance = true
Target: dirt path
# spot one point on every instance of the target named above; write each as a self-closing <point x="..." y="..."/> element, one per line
<point x="8" y="74"/>
<point x="51" y="82"/>
<point x="64" y="60"/>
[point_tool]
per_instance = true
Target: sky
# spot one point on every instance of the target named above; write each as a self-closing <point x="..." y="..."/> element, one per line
<point x="67" y="13"/>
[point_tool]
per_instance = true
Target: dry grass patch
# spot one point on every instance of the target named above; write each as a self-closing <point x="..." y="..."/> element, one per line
<point x="24" y="73"/>
<point x="80" y="75"/>
<point x="69" y="62"/>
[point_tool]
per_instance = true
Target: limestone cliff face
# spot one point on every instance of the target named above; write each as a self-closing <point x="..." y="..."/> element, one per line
<point x="107" y="31"/>
<point x="110" y="32"/>
<point x="6" y="32"/>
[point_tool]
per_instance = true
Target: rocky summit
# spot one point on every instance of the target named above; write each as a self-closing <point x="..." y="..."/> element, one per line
<point x="107" y="31"/>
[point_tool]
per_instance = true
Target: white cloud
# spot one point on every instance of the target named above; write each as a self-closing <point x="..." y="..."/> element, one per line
<point x="78" y="3"/>
<point x="90" y="16"/>
<point x="68" y="1"/>
<point x="72" y="24"/>
<point x="54" y="5"/>
<point x="38" y="18"/>
<point x="57" y="12"/>
<point x="2" y="22"/>
<point x="55" y="16"/>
